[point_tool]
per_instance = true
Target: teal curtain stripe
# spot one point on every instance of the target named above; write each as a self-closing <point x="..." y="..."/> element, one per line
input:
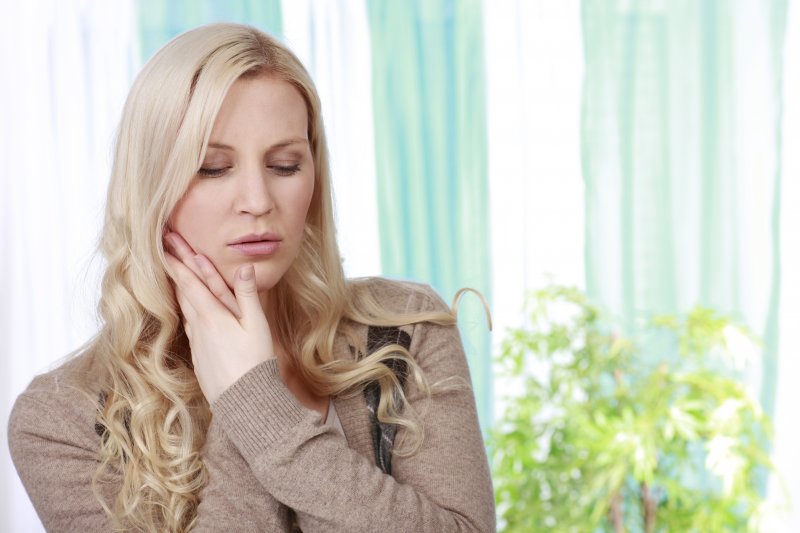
<point x="161" y="20"/>
<point x="778" y="11"/>
<point x="665" y="180"/>
<point x="431" y="157"/>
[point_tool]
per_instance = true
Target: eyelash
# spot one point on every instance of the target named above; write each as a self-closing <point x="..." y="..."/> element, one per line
<point x="212" y="172"/>
<point x="285" y="170"/>
<point x="280" y="170"/>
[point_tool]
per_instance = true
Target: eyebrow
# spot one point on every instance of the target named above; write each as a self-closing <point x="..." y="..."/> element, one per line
<point x="282" y="144"/>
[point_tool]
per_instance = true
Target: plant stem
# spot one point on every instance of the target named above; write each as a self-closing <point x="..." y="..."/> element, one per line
<point x="649" y="507"/>
<point x="615" y="513"/>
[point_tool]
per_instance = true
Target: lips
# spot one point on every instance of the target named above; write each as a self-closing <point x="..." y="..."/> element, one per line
<point x="257" y="244"/>
<point x="253" y="237"/>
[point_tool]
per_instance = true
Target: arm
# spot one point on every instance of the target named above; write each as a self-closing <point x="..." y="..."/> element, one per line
<point x="444" y="487"/>
<point x="55" y="453"/>
<point x="234" y="500"/>
<point x="55" y="449"/>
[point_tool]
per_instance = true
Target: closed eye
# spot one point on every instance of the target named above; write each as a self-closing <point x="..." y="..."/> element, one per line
<point x="285" y="170"/>
<point x="212" y="172"/>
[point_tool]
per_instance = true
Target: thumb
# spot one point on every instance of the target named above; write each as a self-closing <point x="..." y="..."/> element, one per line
<point x="246" y="291"/>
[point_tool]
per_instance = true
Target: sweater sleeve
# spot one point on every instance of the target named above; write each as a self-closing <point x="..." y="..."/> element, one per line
<point x="55" y="453"/>
<point x="233" y="499"/>
<point x="444" y="487"/>
<point x="54" y="447"/>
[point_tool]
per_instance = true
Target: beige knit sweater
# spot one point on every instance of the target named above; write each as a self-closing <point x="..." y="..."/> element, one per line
<point x="266" y="453"/>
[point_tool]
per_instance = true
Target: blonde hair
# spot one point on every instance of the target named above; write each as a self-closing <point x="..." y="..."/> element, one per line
<point x="153" y="415"/>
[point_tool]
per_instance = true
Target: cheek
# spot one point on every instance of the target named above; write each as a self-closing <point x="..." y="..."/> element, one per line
<point x="304" y="198"/>
<point x="191" y="219"/>
<point x="182" y="220"/>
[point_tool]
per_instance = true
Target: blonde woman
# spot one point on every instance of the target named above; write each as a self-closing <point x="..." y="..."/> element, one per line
<point x="239" y="381"/>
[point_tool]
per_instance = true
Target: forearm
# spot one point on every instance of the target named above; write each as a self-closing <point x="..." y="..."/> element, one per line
<point x="310" y="468"/>
<point x="234" y="500"/>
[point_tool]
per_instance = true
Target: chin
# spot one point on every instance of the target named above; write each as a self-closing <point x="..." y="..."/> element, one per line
<point x="267" y="276"/>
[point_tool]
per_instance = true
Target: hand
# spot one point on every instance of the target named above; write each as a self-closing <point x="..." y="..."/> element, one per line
<point x="228" y="332"/>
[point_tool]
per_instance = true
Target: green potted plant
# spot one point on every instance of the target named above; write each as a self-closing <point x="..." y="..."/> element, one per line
<point x="607" y="433"/>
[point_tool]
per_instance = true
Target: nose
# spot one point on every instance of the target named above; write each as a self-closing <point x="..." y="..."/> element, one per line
<point x="253" y="195"/>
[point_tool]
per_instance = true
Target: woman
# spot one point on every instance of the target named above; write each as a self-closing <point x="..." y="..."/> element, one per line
<point x="239" y="382"/>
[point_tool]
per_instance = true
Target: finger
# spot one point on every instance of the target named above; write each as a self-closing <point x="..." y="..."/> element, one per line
<point x="194" y="290"/>
<point x="189" y="313"/>
<point x="173" y="264"/>
<point x="217" y="285"/>
<point x="177" y="246"/>
<point x="244" y="286"/>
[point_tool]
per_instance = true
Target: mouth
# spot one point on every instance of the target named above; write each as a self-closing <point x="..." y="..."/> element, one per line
<point x="257" y="237"/>
<point x="257" y="245"/>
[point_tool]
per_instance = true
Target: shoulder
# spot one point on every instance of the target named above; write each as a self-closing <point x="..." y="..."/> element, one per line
<point x="401" y="296"/>
<point x="384" y="306"/>
<point x="432" y="334"/>
<point x="58" y="402"/>
<point x="54" y="447"/>
<point x="75" y="376"/>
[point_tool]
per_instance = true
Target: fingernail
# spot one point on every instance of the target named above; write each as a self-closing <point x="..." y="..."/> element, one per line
<point x="246" y="273"/>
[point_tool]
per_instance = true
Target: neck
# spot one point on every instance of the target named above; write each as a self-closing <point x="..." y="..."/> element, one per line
<point x="289" y="375"/>
<point x="263" y="298"/>
<point x="269" y="312"/>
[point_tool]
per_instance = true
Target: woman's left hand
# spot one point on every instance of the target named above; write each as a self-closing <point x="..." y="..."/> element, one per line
<point x="228" y="332"/>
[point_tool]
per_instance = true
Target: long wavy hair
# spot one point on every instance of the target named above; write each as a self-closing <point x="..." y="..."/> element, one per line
<point x="152" y="412"/>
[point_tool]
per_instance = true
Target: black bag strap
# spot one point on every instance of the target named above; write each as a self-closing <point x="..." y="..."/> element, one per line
<point x="383" y="434"/>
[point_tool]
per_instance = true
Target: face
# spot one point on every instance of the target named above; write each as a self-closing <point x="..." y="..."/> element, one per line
<point x="249" y="201"/>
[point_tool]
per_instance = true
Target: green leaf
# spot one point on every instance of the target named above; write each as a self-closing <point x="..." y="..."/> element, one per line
<point x="600" y="414"/>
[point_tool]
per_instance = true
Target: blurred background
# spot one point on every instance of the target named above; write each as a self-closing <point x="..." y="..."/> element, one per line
<point x="646" y="152"/>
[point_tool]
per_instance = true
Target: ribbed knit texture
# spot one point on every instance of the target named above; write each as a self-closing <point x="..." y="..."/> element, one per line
<point x="266" y="454"/>
<point x="259" y="410"/>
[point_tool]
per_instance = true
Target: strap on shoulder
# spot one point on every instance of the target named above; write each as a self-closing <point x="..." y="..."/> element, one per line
<point x="383" y="434"/>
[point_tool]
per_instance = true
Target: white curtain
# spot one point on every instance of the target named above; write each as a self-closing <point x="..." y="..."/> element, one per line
<point x="534" y="72"/>
<point x="66" y="68"/>
<point x="332" y="40"/>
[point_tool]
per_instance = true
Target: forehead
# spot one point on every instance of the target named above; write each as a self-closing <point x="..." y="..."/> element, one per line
<point x="260" y="107"/>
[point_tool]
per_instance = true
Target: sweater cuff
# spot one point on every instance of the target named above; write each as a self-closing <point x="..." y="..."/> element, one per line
<point x="258" y="410"/>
